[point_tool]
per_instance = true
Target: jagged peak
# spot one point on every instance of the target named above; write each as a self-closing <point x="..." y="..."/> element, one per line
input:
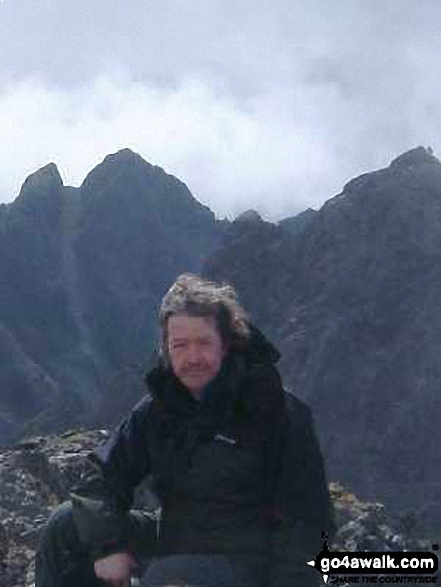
<point x="115" y="161"/>
<point x="249" y="216"/>
<point x="416" y="156"/>
<point x="46" y="178"/>
<point x="125" y="155"/>
<point x="410" y="159"/>
<point x="126" y="172"/>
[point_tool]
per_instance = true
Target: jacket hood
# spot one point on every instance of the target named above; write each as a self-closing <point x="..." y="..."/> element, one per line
<point x="258" y="349"/>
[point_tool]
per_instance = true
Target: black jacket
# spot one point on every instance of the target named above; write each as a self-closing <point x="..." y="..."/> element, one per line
<point x="239" y="473"/>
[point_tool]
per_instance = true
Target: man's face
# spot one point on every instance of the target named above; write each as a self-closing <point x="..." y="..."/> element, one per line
<point x="195" y="349"/>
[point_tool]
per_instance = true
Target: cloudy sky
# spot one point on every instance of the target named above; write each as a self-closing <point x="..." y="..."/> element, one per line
<point x="270" y="105"/>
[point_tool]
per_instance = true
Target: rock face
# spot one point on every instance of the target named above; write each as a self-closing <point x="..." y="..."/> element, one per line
<point x="353" y="301"/>
<point x="83" y="270"/>
<point x="36" y="476"/>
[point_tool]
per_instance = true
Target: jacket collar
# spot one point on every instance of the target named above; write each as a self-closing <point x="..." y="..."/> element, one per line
<point x="258" y="349"/>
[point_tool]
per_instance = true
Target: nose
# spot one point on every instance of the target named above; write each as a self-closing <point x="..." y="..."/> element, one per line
<point x="193" y="357"/>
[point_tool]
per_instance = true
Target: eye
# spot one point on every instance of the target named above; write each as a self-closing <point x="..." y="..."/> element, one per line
<point x="205" y="343"/>
<point x="177" y="345"/>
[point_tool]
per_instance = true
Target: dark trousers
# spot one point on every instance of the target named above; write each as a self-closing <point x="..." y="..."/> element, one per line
<point x="62" y="560"/>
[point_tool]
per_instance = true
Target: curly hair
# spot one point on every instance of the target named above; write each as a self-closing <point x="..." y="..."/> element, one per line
<point x="192" y="295"/>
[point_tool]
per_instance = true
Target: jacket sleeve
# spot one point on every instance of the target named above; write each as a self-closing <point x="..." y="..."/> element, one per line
<point x="103" y="497"/>
<point x="302" y="508"/>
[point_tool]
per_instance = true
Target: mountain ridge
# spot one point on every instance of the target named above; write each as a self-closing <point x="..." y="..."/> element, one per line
<point x="353" y="303"/>
<point x="350" y="293"/>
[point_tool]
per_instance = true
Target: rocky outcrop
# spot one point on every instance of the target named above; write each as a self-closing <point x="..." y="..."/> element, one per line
<point x="36" y="476"/>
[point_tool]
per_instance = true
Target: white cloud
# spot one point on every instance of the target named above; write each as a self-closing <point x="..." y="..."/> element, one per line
<point x="232" y="155"/>
<point x="271" y="109"/>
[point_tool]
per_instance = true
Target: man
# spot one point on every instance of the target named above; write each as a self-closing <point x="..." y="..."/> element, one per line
<point x="233" y="459"/>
